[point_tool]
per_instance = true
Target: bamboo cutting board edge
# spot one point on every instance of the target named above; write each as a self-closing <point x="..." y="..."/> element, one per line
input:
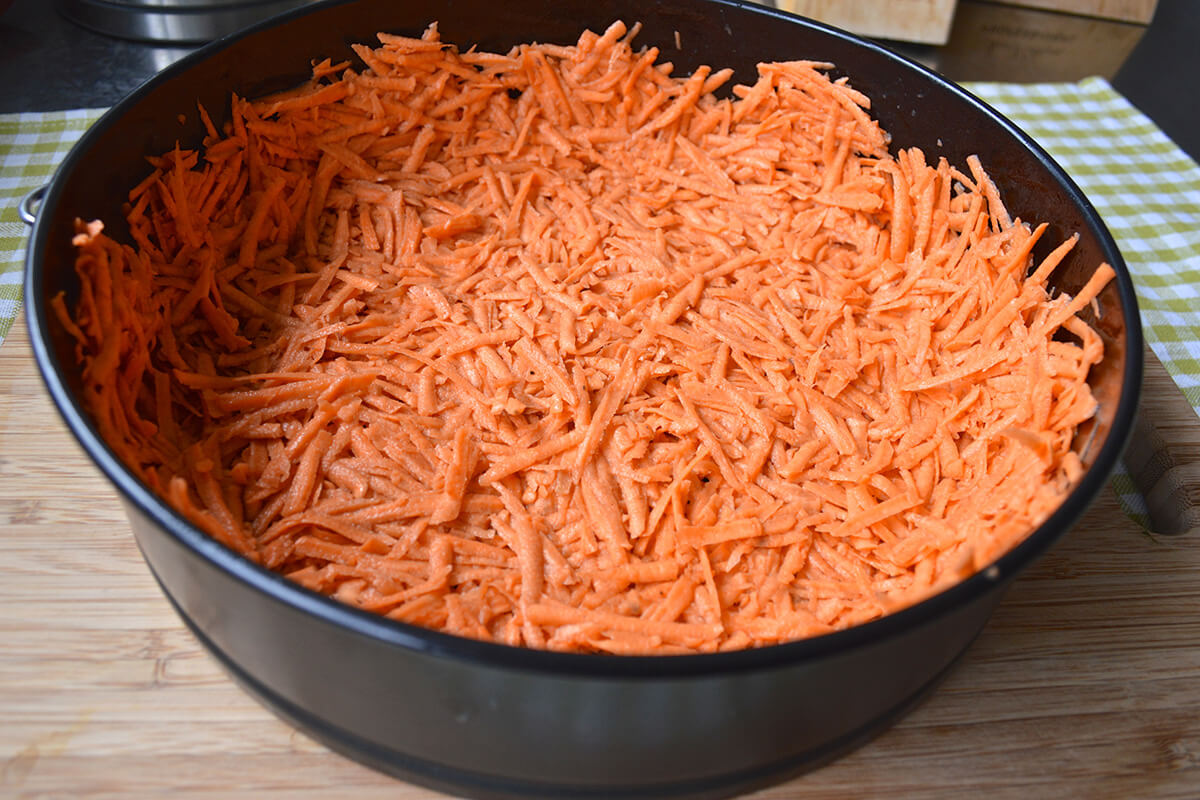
<point x="1085" y="684"/>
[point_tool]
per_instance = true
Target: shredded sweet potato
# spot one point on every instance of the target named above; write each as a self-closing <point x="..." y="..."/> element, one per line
<point x="556" y="349"/>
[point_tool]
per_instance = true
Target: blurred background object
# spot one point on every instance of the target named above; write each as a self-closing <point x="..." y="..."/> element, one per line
<point x="925" y="21"/>
<point x="1011" y="25"/>
<point x="1125" y="10"/>
<point x="1017" y="43"/>
<point x="172" y="20"/>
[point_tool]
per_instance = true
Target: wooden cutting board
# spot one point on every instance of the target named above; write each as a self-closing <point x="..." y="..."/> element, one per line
<point x="1086" y="684"/>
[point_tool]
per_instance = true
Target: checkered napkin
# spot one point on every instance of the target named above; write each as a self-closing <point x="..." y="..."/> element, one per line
<point x="1145" y="188"/>
<point x="31" y="147"/>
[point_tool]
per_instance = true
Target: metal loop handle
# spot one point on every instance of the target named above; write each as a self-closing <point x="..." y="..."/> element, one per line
<point x="25" y="207"/>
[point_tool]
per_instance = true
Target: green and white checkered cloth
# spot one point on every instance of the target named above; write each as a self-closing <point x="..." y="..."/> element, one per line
<point x="1146" y="189"/>
<point x="31" y="147"/>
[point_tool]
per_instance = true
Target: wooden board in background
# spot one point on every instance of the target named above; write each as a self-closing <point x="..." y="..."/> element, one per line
<point x="924" y="21"/>
<point x="1140" y="11"/>
<point x="1086" y="684"/>
<point x="1001" y="42"/>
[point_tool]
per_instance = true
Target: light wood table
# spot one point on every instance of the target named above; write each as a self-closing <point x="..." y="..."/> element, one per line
<point x="1086" y="684"/>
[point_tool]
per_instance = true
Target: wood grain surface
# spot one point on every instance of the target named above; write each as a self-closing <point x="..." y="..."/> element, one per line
<point x="1086" y="684"/>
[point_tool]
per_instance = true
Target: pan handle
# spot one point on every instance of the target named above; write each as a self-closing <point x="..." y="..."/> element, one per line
<point x="26" y="207"/>
<point x="1162" y="453"/>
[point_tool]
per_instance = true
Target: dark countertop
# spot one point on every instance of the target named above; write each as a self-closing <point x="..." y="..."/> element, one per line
<point x="49" y="63"/>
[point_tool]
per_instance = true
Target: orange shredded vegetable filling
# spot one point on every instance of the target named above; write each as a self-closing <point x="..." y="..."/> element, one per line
<point x="556" y="349"/>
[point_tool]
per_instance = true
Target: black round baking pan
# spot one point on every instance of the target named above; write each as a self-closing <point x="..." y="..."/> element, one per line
<point x="487" y="720"/>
